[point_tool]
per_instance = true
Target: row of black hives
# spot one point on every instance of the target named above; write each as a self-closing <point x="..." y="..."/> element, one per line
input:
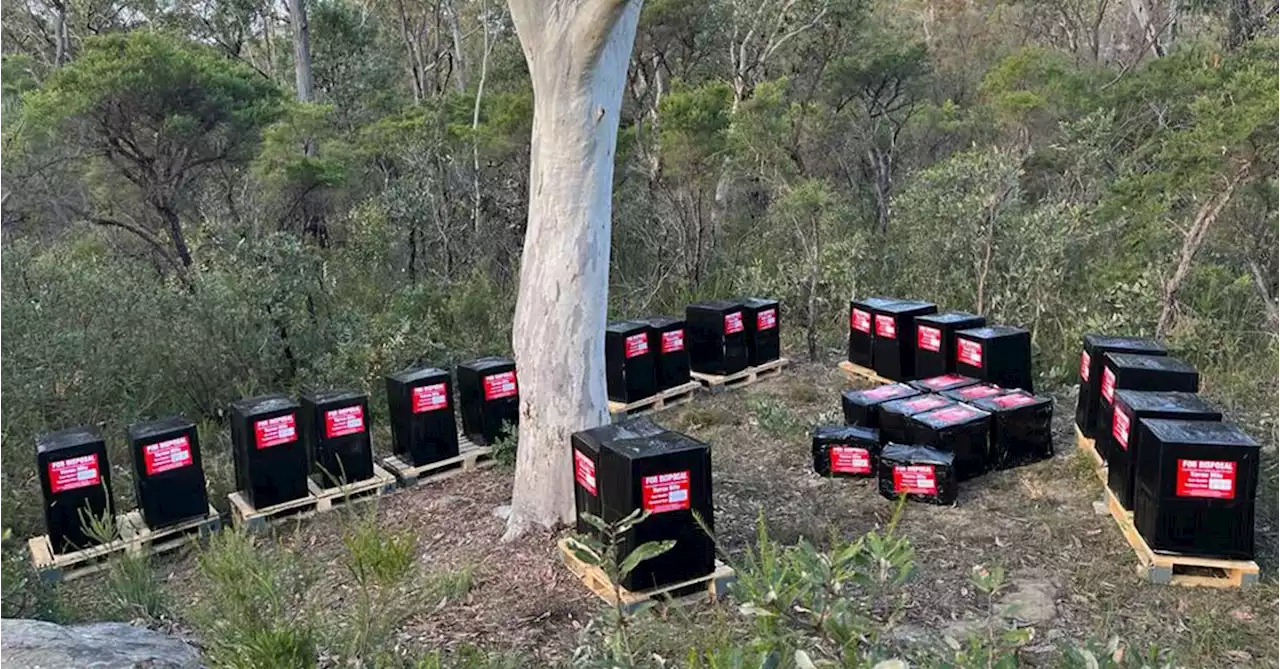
<point x="647" y="356"/>
<point x="1188" y="477"/>
<point x="904" y="340"/>
<point x="278" y="443"/>
<point x="636" y="464"/>
<point x="921" y="440"/>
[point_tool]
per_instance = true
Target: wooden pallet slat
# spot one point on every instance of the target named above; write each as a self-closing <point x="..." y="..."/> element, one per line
<point x="717" y="383"/>
<point x="143" y="540"/>
<point x="470" y="457"/>
<point x="317" y="500"/>
<point x="664" y="399"/>
<point x="709" y="588"/>
<point x="70" y="566"/>
<point x="1088" y="446"/>
<point x="859" y="373"/>
<point x="327" y="499"/>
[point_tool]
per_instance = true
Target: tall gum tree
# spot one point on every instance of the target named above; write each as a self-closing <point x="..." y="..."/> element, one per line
<point x="577" y="54"/>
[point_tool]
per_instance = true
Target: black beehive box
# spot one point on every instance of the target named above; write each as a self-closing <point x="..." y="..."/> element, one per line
<point x="717" y="335"/>
<point x="1021" y="428"/>
<point x="671" y="366"/>
<point x="1199" y="497"/>
<point x="1092" y="351"/>
<point x="974" y="392"/>
<point x="763" y="319"/>
<point x="168" y="472"/>
<point x="586" y="446"/>
<point x="892" y="422"/>
<point x="488" y="396"/>
<point x="845" y="451"/>
<point x="960" y="430"/>
<point x="860" y="405"/>
<point x="76" y="480"/>
<point x="862" y="332"/>
<point x="668" y="475"/>
<point x="270" y="456"/>
<point x="1124" y="440"/>
<point x="936" y="341"/>
<point x="629" y="361"/>
<point x="923" y="474"/>
<point x="423" y="427"/>
<point x="941" y="384"/>
<point x="335" y="428"/>
<point x="894" y="349"/>
<point x="1000" y="354"/>
<point x="1125" y="371"/>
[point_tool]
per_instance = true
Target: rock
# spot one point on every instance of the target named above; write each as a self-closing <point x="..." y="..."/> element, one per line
<point x="34" y="644"/>
<point x="1030" y="603"/>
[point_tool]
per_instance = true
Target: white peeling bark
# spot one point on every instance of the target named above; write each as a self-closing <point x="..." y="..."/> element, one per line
<point x="577" y="54"/>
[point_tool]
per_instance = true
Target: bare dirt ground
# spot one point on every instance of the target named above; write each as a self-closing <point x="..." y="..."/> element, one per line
<point x="1038" y="522"/>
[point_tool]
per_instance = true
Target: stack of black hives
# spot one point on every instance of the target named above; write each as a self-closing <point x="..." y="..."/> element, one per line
<point x="968" y="408"/>
<point x="1188" y="477"/>
<point x="635" y="464"/>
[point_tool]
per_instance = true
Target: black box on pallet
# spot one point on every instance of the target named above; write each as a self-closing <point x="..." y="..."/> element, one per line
<point x="1199" y="497"/>
<point x="936" y="341"/>
<point x="1093" y="348"/>
<point x="671" y="366"/>
<point x="941" y="384"/>
<point x="717" y="334"/>
<point x="862" y="332"/>
<point x="763" y="319"/>
<point x="423" y="427"/>
<point x="842" y="450"/>
<point x="894" y="414"/>
<point x="488" y="396"/>
<point x="335" y="428"/>
<point x="1000" y="354"/>
<point x="1021" y="428"/>
<point x="1124" y="440"/>
<point x="974" y="391"/>
<point x="860" y="405"/>
<point x="629" y="361"/>
<point x="168" y="472"/>
<point x="959" y="429"/>
<point x="270" y="456"/>
<point x="668" y="475"/>
<point x="76" y="480"/>
<point x="586" y="445"/>
<point x="894" y="350"/>
<point x="923" y="474"/>
<point x="1125" y="371"/>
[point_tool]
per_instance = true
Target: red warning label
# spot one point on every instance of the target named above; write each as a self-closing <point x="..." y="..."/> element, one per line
<point x="969" y="352"/>
<point x="275" y="431"/>
<point x="1108" y="383"/>
<point x="584" y="471"/>
<point x="850" y="460"/>
<point x="430" y="398"/>
<point x="498" y="386"/>
<point x="665" y="492"/>
<point x="74" y="473"/>
<point x="953" y="414"/>
<point x="637" y="344"/>
<point x="884" y="392"/>
<point x="166" y="455"/>
<point x="1215" y="479"/>
<point x="927" y="338"/>
<point x="344" y="421"/>
<point x="860" y="320"/>
<point x="919" y="404"/>
<point x="943" y="381"/>
<point x="979" y="391"/>
<point x="733" y="322"/>
<point x="915" y="479"/>
<point x="1013" y="400"/>
<point x="886" y="327"/>
<point x="673" y="341"/>
<point x="1120" y="427"/>
<point x="1084" y="365"/>
<point x="766" y="319"/>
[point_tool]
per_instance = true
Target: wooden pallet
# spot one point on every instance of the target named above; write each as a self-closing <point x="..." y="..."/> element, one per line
<point x="718" y="384"/>
<point x="317" y="500"/>
<point x="666" y="398"/>
<point x="135" y="539"/>
<point x="1185" y="570"/>
<point x="707" y="588"/>
<point x="1087" y="445"/>
<point x="469" y="457"/>
<point x="860" y="373"/>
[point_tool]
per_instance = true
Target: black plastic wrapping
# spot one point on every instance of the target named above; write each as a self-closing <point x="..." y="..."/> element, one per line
<point x="961" y="430"/>
<point x="717" y="337"/>
<point x="860" y="405"/>
<point x="1092" y="349"/>
<point x="630" y="360"/>
<point x="1021" y="428"/>
<point x="924" y="474"/>
<point x="1123" y="440"/>
<point x="270" y="457"/>
<point x="845" y="451"/>
<point x="894" y="349"/>
<point x="423" y="427"/>
<point x="936" y="340"/>
<point x="488" y="396"/>
<point x="75" y="478"/>
<point x="168" y="471"/>
<point x="999" y="354"/>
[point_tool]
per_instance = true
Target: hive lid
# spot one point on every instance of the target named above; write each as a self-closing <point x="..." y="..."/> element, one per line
<point x="487" y="363"/>
<point x="1093" y="342"/>
<point x="139" y="431"/>
<point x="632" y="428"/>
<point x="883" y="393"/>
<point x="907" y="307"/>
<point x="263" y="404"/>
<point x="992" y="332"/>
<point x="915" y="455"/>
<point x="626" y="327"/>
<point x="956" y="414"/>
<point x="663" y="443"/>
<point x="417" y="374"/>
<point x="945" y="382"/>
<point x="759" y="302"/>
<point x="846" y="433"/>
<point x="1198" y="432"/>
<point x="660" y="322"/>
<point x="68" y="438"/>
<point x="874" y="302"/>
<point x="1163" y="363"/>
<point x="976" y="391"/>
<point x="1018" y="399"/>
<point x="914" y="405"/>
<point x="1163" y="400"/>
<point x="717" y="305"/>
<point x="336" y="397"/>
<point x="946" y="317"/>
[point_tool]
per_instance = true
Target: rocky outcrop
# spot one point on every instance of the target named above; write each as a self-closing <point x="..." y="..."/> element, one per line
<point x="34" y="644"/>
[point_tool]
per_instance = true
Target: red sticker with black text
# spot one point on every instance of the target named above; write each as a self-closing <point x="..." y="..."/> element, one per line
<point x="1108" y="383"/>
<point x="72" y="473"/>
<point x="850" y="460"/>
<point x="1013" y="400"/>
<point x="915" y="479"/>
<point x="165" y="455"/>
<point x="1120" y="427"/>
<point x="921" y="404"/>
<point x="1215" y="479"/>
<point x="884" y="392"/>
<point x="927" y="338"/>
<point x="860" y="320"/>
<point x="665" y="492"/>
<point x="766" y="319"/>
<point x="673" y="341"/>
<point x="943" y="381"/>
<point x="1084" y="365"/>
<point x="275" y="431"/>
<point x="979" y="391"/>
<point x="584" y="471"/>
<point x="430" y="398"/>
<point x="733" y="322"/>
<point x="886" y="327"/>
<point x="637" y="344"/>
<point x="953" y="414"/>
<point x="344" y="421"/>
<point x="498" y="386"/>
<point x="969" y="352"/>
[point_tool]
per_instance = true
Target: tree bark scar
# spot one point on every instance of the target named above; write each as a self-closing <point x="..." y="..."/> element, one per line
<point x="600" y="114"/>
